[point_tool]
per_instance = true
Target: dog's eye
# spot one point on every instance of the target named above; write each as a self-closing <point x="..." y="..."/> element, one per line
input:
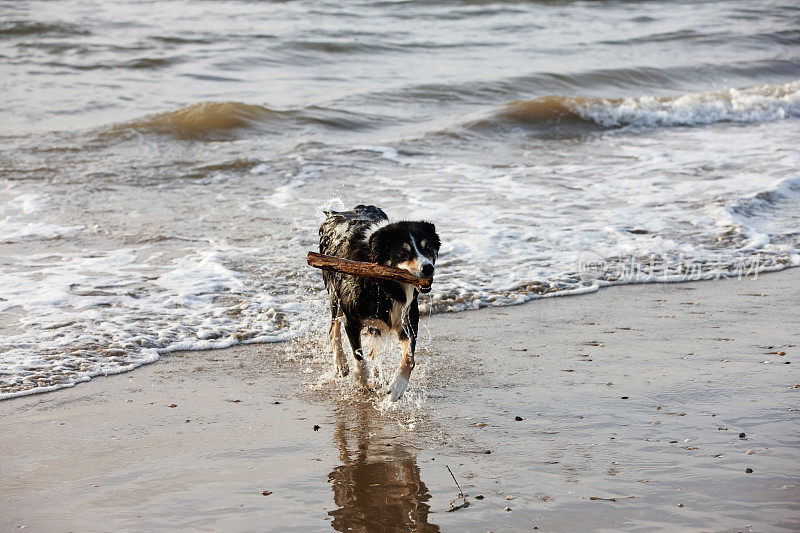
<point x="406" y="247"/>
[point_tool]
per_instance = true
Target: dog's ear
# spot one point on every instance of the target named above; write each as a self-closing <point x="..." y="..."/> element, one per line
<point x="430" y="235"/>
<point x="376" y="245"/>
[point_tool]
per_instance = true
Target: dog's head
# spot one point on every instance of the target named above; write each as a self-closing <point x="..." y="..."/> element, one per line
<point x="412" y="246"/>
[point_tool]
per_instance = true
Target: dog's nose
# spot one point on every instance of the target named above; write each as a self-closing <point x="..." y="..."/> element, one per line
<point x="427" y="270"/>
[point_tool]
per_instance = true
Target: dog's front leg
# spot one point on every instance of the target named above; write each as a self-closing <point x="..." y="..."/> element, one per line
<point x="353" y="330"/>
<point x="408" y="343"/>
<point x="403" y="375"/>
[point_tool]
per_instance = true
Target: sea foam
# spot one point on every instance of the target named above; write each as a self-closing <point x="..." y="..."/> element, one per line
<point x="765" y="103"/>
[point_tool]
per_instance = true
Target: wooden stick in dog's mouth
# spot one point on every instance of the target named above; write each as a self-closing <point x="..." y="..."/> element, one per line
<point x="367" y="270"/>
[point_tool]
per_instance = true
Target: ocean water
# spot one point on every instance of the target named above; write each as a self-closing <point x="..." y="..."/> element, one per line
<point x="164" y="164"/>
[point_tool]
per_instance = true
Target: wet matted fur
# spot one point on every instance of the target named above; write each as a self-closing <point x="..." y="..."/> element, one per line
<point x="366" y="234"/>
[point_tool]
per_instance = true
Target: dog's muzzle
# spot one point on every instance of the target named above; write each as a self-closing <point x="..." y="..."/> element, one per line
<point x="427" y="273"/>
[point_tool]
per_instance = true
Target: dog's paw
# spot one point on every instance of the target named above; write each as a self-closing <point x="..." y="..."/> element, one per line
<point x="342" y="370"/>
<point x="360" y="377"/>
<point x="397" y="388"/>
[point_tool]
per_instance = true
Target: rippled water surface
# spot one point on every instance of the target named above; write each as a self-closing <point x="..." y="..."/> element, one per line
<point x="163" y="165"/>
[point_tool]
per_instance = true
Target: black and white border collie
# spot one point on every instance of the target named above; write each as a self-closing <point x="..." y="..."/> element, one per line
<point x="365" y="234"/>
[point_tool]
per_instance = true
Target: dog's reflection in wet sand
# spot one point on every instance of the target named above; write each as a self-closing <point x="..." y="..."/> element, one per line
<point x="377" y="487"/>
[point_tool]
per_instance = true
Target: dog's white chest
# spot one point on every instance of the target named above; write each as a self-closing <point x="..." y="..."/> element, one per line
<point x="397" y="313"/>
<point x="399" y="310"/>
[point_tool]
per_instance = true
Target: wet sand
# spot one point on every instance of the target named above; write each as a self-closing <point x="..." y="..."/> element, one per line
<point x="636" y="395"/>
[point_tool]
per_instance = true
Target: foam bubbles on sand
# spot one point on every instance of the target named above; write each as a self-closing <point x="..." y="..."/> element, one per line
<point x="82" y="315"/>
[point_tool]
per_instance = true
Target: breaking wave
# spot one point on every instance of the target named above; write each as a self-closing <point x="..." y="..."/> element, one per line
<point x="548" y="114"/>
<point x="787" y="189"/>
<point x="225" y="120"/>
<point x="766" y="103"/>
<point x="204" y="119"/>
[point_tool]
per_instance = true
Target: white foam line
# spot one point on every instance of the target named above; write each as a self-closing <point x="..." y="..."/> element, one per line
<point x="153" y="356"/>
<point x="760" y="104"/>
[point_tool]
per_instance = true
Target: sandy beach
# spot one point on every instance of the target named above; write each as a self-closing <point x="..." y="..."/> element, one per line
<point x="637" y="408"/>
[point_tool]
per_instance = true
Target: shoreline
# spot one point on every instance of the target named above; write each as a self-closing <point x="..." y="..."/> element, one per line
<point x="115" y="453"/>
<point x="228" y="343"/>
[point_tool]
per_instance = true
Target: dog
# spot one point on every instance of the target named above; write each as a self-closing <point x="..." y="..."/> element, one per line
<point x="366" y="234"/>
